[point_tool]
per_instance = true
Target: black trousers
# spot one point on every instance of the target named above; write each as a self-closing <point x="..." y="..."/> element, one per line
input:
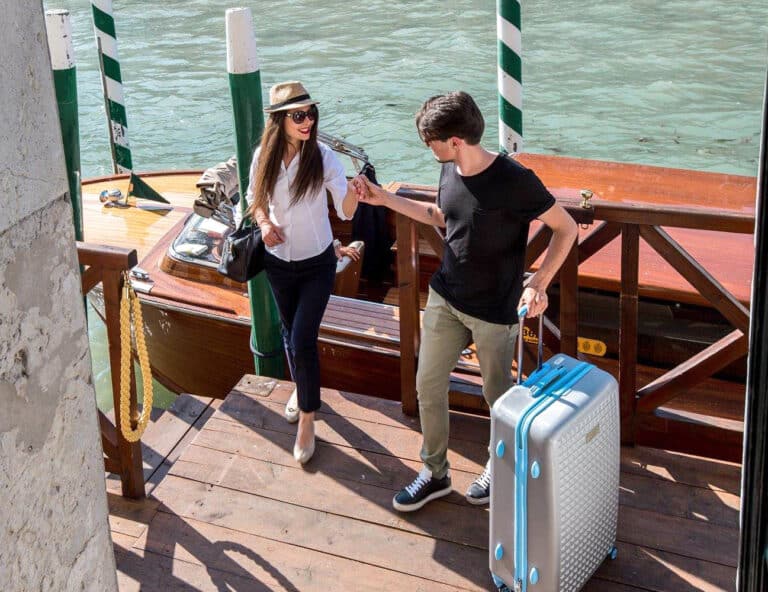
<point x="301" y="290"/>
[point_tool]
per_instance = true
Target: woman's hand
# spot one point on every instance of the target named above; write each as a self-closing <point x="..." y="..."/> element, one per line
<point x="350" y="252"/>
<point x="271" y="234"/>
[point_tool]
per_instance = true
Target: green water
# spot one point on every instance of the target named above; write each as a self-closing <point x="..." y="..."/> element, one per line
<point x="677" y="83"/>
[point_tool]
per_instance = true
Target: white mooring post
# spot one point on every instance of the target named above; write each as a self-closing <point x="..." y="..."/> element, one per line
<point x="112" y="81"/>
<point x="59" y="30"/>
<point x="510" y="80"/>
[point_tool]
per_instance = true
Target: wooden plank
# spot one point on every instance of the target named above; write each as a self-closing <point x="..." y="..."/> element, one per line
<point x="145" y="571"/>
<point x="374" y="544"/>
<point x="691" y="538"/>
<point x="537" y="244"/>
<point x="321" y="490"/>
<point x="163" y="435"/>
<point x="661" y="571"/>
<point x="129" y="453"/>
<point x="715" y="475"/>
<point x="363" y="434"/>
<point x="628" y="305"/>
<point x="689" y="433"/>
<point x="130" y="517"/>
<point x="89" y="278"/>
<point x="108" y="436"/>
<point x="651" y="493"/>
<point x="380" y="470"/>
<point x="692" y="372"/>
<point x="568" y="277"/>
<point x="240" y="561"/>
<point x="410" y="329"/>
<point x="715" y="397"/>
<point x="597" y="239"/>
<point x="598" y="585"/>
<point x="434" y="238"/>
<point x="162" y="470"/>
<point x="363" y="437"/>
<point x="353" y="406"/>
<point x="698" y="276"/>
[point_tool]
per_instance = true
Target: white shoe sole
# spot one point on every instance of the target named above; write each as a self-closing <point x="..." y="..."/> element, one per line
<point x="478" y="501"/>
<point x="417" y="506"/>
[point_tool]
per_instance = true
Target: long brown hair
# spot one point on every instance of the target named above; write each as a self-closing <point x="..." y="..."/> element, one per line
<point x="273" y="146"/>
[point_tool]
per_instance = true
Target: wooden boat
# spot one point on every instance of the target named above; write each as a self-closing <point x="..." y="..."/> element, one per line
<point x="198" y="322"/>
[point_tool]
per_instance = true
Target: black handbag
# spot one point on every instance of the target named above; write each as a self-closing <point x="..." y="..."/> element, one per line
<point x="242" y="254"/>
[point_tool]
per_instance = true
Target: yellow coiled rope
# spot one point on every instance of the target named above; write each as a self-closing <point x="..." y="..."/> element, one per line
<point x="129" y="302"/>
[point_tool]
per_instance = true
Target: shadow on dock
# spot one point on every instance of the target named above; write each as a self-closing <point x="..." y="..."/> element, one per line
<point x="229" y="509"/>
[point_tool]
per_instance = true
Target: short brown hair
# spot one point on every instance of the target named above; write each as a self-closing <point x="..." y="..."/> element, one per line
<point x="453" y="114"/>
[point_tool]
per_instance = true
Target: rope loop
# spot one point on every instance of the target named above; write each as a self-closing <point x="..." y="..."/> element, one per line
<point x="129" y="302"/>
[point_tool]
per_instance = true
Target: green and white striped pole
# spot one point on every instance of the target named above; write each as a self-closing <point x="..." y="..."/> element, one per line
<point x="510" y="76"/>
<point x="59" y="32"/>
<point x="245" y="87"/>
<point x="106" y="41"/>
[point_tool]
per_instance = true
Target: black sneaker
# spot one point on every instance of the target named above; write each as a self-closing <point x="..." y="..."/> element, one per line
<point x="479" y="491"/>
<point x="424" y="489"/>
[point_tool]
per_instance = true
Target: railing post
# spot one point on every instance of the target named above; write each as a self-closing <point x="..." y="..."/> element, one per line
<point x="628" y="308"/>
<point x="408" y="293"/>
<point x="131" y="466"/>
<point x="569" y="303"/>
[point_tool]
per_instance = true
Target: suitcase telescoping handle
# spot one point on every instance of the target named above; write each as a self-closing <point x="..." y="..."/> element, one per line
<point x="540" y="350"/>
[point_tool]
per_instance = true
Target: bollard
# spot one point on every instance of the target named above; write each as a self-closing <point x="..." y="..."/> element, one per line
<point x="59" y="32"/>
<point x="510" y="79"/>
<point x="112" y="81"/>
<point x="245" y="87"/>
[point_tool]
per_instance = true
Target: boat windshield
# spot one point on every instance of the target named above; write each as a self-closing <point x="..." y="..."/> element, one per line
<point x="200" y="241"/>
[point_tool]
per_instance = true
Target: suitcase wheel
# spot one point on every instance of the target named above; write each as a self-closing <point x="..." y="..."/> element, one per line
<point x="613" y="553"/>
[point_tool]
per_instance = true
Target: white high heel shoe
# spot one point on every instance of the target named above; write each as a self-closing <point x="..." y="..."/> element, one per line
<point x="292" y="408"/>
<point x="303" y="454"/>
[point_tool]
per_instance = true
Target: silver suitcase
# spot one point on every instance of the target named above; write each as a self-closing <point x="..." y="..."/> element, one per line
<point x="555" y="476"/>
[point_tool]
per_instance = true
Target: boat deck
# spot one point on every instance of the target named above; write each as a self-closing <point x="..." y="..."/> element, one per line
<point x="229" y="509"/>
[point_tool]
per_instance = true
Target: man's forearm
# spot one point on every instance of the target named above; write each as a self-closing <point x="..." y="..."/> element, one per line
<point x="557" y="250"/>
<point x="425" y="212"/>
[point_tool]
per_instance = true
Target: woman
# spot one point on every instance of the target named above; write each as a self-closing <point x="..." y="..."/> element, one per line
<point x="290" y="174"/>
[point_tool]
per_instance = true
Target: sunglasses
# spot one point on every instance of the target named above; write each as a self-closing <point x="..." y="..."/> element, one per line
<point x="298" y="117"/>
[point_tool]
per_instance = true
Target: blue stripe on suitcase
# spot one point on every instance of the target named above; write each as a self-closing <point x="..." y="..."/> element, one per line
<point x="553" y="383"/>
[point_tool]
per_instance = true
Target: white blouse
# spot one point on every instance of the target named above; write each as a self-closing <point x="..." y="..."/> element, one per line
<point x="305" y="226"/>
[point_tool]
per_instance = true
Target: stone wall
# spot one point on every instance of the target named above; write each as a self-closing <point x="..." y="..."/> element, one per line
<point x="54" y="533"/>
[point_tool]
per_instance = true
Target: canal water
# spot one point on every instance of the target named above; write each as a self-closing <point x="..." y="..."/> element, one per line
<point x="677" y="83"/>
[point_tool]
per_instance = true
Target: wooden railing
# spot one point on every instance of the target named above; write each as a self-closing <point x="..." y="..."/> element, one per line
<point x="106" y="265"/>
<point x="644" y="419"/>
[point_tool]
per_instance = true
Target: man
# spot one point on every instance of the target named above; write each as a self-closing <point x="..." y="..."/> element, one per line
<point x="485" y="203"/>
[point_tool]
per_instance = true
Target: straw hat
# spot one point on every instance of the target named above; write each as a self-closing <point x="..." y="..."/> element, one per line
<point x="288" y="95"/>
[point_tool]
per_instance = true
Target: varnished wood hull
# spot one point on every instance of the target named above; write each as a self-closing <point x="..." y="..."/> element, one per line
<point x="208" y="354"/>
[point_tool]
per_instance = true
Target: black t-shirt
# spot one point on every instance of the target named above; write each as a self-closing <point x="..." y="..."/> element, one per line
<point x="487" y="218"/>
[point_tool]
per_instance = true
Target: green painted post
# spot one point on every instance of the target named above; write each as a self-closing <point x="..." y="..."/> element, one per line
<point x="245" y="87"/>
<point x="510" y="77"/>
<point x="60" y="46"/>
<point x="112" y="80"/>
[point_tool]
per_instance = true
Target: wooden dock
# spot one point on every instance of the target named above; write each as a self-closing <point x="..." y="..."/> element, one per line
<point x="229" y="509"/>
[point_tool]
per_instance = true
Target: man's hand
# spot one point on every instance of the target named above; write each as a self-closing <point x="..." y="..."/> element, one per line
<point x="271" y="234"/>
<point x="368" y="192"/>
<point x="536" y="300"/>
